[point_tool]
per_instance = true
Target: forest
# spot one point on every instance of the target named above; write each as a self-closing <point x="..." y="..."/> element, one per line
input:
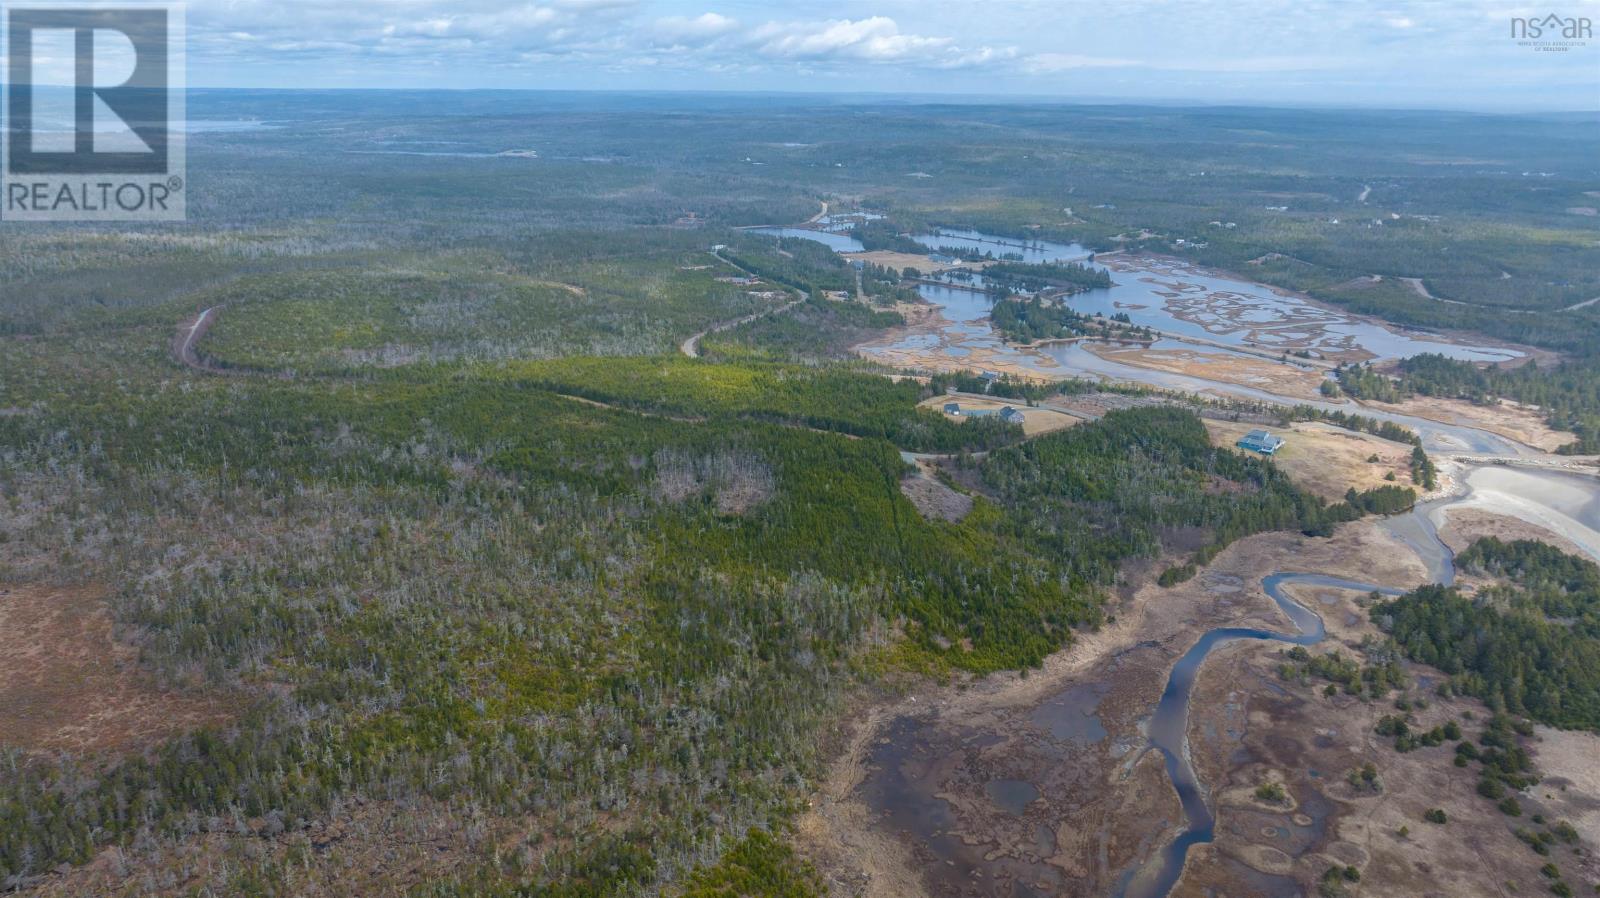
<point x="1529" y="645"/>
<point x="458" y="536"/>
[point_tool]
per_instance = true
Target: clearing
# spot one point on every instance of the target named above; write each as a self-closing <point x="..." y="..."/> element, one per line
<point x="901" y="261"/>
<point x="1522" y="423"/>
<point x="1274" y="377"/>
<point x="1035" y="420"/>
<point x="67" y="685"/>
<point x="1328" y="460"/>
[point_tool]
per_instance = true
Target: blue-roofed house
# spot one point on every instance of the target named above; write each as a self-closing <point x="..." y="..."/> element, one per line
<point x="1260" y="441"/>
<point x="952" y="408"/>
<point x="1012" y="415"/>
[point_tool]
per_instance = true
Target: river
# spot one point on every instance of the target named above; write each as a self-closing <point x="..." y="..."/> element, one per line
<point x="1169" y="727"/>
<point x="1567" y="504"/>
<point x="1184" y="300"/>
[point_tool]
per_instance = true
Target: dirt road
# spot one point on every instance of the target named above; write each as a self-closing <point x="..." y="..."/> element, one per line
<point x="189" y="335"/>
<point x="691" y="346"/>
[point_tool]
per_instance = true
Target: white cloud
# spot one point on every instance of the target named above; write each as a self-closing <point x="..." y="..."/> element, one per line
<point x="1045" y="63"/>
<point x="701" y="27"/>
<point x="724" y="43"/>
<point x="877" y="39"/>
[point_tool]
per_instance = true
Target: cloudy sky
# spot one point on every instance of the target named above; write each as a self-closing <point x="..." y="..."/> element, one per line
<point x="1439" y="53"/>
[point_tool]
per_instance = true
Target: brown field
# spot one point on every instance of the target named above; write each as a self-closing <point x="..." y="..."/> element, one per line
<point x="1464" y="526"/>
<point x="932" y="497"/>
<point x="1035" y="420"/>
<point x="1251" y="727"/>
<point x="1508" y="419"/>
<point x="67" y="685"/>
<point x="1275" y="377"/>
<point x="1327" y="460"/>
<point x="900" y="261"/>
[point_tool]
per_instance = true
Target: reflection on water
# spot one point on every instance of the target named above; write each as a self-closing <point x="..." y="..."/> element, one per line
<point x="839" y="243"/>
<point x="1176" y="298"/>
<point x="1073" y="715"/>
<point x="1031" y="251"/>
<point x="967" y="331"/>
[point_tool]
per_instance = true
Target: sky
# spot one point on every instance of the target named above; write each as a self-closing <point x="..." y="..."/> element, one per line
<point x="1403" y="53"/>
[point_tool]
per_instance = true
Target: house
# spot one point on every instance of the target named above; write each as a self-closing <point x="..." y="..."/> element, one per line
<point x="1260" y="441"/>
<point x="952" y="408"/>
<point x="942" y="259"/>
<point x="1011" y="415"/>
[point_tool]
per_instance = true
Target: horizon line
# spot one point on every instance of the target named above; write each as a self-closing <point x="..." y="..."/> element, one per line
<point x="998" y="99"/>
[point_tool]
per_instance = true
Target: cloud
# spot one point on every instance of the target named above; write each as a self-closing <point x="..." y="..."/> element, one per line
<point x="724" y="43"/>
<point x="700" y="28"/>
<point x="877" y="39"/>
<point x="1046" y="63"/>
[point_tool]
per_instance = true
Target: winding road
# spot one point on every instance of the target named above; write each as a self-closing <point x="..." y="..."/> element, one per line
<point x="691" y="346"/>
<point x="188" y="338"/>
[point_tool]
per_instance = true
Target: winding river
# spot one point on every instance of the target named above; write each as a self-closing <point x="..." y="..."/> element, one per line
<point x="1566" y="503"/>
<point x="1169" y="726"/>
